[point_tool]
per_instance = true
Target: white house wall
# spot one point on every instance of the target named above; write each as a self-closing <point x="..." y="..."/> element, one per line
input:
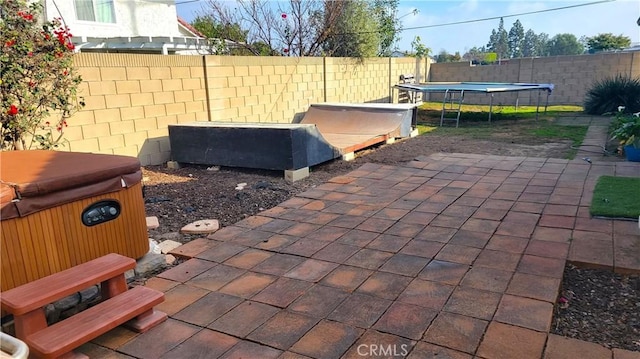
<point x="133" y="18"/>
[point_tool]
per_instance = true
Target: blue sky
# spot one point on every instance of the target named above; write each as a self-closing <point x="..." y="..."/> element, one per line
<point x="618" y="17"/>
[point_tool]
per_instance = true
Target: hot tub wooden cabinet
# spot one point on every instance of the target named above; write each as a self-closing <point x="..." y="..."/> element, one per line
<point x="61" y="209"/>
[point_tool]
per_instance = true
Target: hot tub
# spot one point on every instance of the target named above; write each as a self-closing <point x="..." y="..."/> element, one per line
<point x="60" y="209"/>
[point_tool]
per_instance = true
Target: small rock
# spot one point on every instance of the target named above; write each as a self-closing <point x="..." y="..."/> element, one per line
<point x="168" y="245"/>
<point x="150" y="262"/>
<point x="262" y="185"/>
<point x="129" y="275"/>
<point x="203" y="226"/>
<point x="243" y="184"/>
<point x="89" y="294"/>
<point x="153" y="246"/>
<point x="170" y="259"/>
<point x="169" y="236"/>
<point x="152" y="222"/>
<point x="67" y="302"/>
<point x="213" y="168"/>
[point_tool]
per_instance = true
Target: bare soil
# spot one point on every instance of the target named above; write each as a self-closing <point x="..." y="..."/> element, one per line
<point x="604" y="308"/>
<point x="181" y="196"/>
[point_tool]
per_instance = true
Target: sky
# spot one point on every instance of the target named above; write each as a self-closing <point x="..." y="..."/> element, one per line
<point x="581" y="18"/>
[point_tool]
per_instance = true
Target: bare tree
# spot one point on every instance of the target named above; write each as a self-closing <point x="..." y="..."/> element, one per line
<point x="298" y="27"/>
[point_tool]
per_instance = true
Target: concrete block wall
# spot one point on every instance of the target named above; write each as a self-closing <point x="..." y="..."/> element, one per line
<point x="130" y="101"/>
<point x="132" y="98"/>
<point x="262" y="89"/>
<point x="571" y="75"/>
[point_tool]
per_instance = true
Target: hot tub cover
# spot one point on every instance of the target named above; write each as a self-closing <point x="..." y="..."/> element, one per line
<point x="32" y="181"/>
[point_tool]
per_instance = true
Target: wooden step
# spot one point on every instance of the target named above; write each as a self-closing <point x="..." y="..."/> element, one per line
<point x="64" y="336"/>
<point x="36" y="294"/>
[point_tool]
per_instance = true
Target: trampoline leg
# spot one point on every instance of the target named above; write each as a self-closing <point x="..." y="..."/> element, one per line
<point x="459" y="107"/>
<point x="490" y="107"/>
<point x="547" y="103"/>
<point x="444" y="102"/>
<point x="538" y="106"/>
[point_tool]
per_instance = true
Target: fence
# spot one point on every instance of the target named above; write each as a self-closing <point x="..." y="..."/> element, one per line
<point x="571" y="75"/>
<point x="132" y="98"/>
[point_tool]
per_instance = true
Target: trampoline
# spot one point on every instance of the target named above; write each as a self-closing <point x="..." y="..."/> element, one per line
<point x="450" y="89"/>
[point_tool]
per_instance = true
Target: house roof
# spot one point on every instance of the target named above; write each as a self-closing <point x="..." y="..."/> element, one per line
<point x="192" y="30"/>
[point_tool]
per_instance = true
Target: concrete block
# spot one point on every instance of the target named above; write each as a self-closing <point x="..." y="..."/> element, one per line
<point x="390" y="140"/>
<point x="174" y="165"/>
<point x="296" y="175"/>
<point x="203" y="226"/>
<point x="150" y="262"/>
<point x="152" y="222"/>
<point x="168" y="246"/>
<point x="349" y="156"/>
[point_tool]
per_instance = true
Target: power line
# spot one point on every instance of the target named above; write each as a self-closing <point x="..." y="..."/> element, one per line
<point x="504" y="16"/>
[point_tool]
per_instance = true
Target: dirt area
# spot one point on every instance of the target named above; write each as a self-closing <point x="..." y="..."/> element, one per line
<point x="604" y="308"/>
<point x="599" y="306"/>
<point x="178" y="197"/>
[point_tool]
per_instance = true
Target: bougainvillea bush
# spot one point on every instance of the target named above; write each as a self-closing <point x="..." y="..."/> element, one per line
<point x="38" y="82"/>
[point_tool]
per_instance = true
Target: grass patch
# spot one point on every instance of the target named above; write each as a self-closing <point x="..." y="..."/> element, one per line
<point x="616" y="197"/>
<point x="499" y="113"/>
<point x="507" y="124"/>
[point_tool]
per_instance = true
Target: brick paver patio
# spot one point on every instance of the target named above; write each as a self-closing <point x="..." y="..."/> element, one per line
<point x="448" y="256"/>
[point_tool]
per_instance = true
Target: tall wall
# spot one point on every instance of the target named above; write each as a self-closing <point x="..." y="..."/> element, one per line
<point x="571" y="75"/>
<point x="131" y="99"/>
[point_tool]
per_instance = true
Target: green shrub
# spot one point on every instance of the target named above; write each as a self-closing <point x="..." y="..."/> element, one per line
<point x="606" y="95"/>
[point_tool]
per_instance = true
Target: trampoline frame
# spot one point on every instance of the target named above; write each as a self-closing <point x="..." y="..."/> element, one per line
<point x="451" y="88"/>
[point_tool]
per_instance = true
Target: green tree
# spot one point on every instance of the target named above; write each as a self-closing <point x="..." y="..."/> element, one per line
<point x="475" y="54"/>
<point x="444" y="56"/>
<point x="542" y="44"/>
<point x="38" y="82"/>
<point x="565" y="44"/>
<point x="217" y="33"/>
<point x="529" y="43"/>
<point x="499" y="41"/>
<point x="355" y="33"/>
<point x="389" y="26"/>
<point x="516" y="39"/>
<point x="418" y="49"/>
<point x="607" y="42"/>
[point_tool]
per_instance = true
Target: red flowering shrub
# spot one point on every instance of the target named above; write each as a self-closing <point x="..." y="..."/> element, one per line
<point x="38" y="82"/>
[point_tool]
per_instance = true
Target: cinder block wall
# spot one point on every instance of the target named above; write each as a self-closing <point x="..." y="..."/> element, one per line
<point x="571" y="75"/>
<point x="131" y="99"/>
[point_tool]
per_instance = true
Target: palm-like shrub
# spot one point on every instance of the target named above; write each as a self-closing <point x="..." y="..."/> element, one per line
<point x="606" y="95"/>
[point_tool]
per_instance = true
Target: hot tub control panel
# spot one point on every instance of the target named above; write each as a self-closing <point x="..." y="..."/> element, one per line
<point x="100" y="212"/>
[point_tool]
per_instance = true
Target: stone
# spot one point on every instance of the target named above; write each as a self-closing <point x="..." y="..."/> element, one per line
<point x="174" y="165"/>
<point x="152" y="222"/>
<point x="203" y="226"/>
<point x="168" y="245"/>
<point x="169" y="236"/>
<point x="150" y="262"/>
<point x="89" y="294"/>
<point x="170" y="259"/>
<point x="296" y="175"/>
<point x="154" y="247"/>
<point x="67" y="302"/>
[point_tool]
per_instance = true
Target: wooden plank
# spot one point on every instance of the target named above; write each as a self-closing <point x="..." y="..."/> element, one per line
<point x="46" y="290"/>
<point x="70" y="333"/>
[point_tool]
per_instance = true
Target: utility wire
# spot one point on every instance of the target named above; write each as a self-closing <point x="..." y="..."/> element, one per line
<point x="504" y="16"/>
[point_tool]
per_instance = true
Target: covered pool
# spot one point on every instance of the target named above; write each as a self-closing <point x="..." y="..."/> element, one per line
<point x="451" y="89"/>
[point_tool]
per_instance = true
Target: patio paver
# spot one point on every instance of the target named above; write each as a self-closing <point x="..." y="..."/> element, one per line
<point x="458" y="255"/>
